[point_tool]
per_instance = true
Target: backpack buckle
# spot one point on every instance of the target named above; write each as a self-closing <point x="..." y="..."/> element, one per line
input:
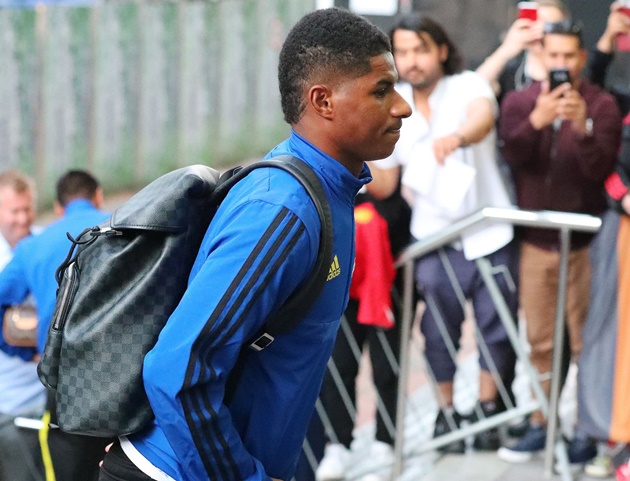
<point x="262" y="342"/>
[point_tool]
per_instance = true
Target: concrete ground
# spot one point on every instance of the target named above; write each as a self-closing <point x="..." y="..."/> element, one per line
<point x="421" y="411"/>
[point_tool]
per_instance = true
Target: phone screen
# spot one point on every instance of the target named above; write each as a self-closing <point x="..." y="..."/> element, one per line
<point x="528" y="10"/>
<point x="557" y="77"/>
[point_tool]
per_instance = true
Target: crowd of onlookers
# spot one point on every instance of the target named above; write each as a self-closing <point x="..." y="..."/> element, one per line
<point x="534" y="126"/>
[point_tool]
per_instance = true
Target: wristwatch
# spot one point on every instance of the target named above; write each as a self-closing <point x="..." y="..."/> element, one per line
<point x="588" y="127"/>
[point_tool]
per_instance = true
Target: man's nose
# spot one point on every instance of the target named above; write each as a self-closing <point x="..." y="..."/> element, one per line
<point x="23" y="218"/>
<point x="401" y="108"/>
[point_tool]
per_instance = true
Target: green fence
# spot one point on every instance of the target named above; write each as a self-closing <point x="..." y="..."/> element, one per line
<point x="130" y="90"/>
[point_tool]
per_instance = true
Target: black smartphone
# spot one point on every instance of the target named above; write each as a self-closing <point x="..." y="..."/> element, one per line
<point x="558" y="76"/>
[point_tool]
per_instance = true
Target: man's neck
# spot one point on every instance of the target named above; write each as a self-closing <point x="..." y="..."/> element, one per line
<point x="421" y="98"/>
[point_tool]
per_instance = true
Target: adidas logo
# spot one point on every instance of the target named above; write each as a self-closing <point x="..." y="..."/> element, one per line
<point x="335" y="270"/>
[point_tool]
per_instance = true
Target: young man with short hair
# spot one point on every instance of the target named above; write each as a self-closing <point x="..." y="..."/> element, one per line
<point x="337" y="76"/>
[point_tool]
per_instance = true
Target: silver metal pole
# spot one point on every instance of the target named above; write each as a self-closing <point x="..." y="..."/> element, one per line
<point x="405" y="333"/>
<point x="558" y="346"/>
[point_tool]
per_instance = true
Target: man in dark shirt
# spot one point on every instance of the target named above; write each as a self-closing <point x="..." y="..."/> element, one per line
<point x="561" y="145"/>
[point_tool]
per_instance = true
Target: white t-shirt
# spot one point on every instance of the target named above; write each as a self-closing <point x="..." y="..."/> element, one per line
<point x="470" y="179"/>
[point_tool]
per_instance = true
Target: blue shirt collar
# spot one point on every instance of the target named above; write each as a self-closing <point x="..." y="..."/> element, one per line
<point x="330" y="170"/>
<point x="78" y="205"/>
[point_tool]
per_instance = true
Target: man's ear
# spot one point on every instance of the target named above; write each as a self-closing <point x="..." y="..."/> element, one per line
<point x="320" y="99"/>
<point x="58" y="209"/>
<point x="443" y="52"/>
<point x="583" y="58"/>
<point x="98" y="199"/>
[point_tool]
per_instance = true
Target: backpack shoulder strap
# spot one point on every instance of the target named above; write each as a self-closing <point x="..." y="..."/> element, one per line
<point x="301" y="300"/>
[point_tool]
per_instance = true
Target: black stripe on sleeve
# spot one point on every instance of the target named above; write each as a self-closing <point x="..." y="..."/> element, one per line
<point x="196" y="404"/>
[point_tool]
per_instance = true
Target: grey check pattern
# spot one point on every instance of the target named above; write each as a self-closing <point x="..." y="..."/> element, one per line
<point x="125" y="288"/>
<point x="128" y="285"/>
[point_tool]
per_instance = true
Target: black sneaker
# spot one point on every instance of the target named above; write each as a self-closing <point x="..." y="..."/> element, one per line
<point x="487" y="440"/>
<point x="518" y="429"/>
<point x="444" y="424"/>
<point x="527" y="447"/>
<point x="581" y="450"/>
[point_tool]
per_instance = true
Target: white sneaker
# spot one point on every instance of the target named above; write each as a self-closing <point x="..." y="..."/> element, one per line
<point x="380" y="462"/>
<point x="382" y="453"/>
<point x="600" y="466"/>
<point x="334" y="464"/>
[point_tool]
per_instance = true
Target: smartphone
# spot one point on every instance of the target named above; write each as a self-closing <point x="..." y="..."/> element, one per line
<point x="558" y="76"/>
<point x="528" y="10"/>
<point x="623" y="39"/>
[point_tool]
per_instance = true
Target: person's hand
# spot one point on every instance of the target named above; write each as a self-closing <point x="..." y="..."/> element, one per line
<point x="445" y="146"/>
<point x="618" y="23"/>
<point x="572" y="107"/>
<point x="521" y="35"/>
<point x="547" y="103"/>
<point x="625" y="204"/>
<point x="107" y="448"/>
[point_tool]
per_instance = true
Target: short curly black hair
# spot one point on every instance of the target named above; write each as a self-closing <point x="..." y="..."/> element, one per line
<point x="324" y="43"/>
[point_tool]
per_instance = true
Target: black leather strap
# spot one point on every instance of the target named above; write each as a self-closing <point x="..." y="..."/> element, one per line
<point x="302" y="300"/>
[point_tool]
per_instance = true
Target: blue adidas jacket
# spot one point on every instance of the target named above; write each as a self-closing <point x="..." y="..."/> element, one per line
<point x="259" y="248"/>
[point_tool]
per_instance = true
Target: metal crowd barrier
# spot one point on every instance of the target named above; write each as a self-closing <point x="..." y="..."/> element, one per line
<point x="565" y="223"/>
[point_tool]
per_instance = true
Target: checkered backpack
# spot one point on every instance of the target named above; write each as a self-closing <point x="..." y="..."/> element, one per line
<point x="123" y="279"/>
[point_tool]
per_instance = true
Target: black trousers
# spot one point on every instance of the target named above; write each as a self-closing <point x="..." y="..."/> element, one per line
<point x="74" y="457"/>
<point x="384" y="377"/>
<point x="117" y="467"/>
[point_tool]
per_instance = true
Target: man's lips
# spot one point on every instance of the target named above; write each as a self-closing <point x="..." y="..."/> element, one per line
<point x="395" y="129"/>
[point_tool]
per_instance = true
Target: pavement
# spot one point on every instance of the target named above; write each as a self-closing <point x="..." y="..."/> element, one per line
<point x="421" y="411"/>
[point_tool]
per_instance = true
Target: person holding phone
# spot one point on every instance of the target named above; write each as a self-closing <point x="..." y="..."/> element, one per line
<point x="517" y="62"/>
<point x="561" y="142"/>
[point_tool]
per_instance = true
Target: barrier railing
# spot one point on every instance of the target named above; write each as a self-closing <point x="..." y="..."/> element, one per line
<point x="565" y="223"/>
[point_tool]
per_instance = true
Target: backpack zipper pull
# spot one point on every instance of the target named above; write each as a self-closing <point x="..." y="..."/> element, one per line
<point x="106" y="231"/>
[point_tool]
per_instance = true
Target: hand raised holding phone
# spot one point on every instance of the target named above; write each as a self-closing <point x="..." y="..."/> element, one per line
<point x="528" y="10"/>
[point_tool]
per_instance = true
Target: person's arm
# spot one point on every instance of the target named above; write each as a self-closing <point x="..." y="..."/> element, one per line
<point x="596" y="146"/>
<point x="519" y="139"/>
<point x="601" y="57"/>
<point x="14" y="290"/>
<point x="255" y="255"/>
<point x="518" y="37"/>
<point x="479" y="122"/>
<point x="618" y="23"/>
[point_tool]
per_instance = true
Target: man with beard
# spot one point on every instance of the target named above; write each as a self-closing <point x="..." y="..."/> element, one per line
<point x="447" y="156"/>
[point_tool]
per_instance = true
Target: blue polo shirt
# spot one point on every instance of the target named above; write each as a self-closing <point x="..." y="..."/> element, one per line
<point x="36" y="258"/>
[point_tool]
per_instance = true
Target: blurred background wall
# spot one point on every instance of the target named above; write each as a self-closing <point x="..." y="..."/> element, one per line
<point x="131" y="89"/>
